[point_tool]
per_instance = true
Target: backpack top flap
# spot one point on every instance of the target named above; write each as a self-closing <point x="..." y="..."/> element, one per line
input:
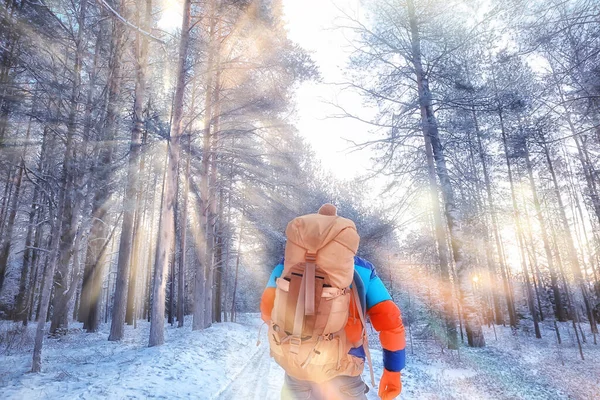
<point x="314" y="231"/>
<point x="332" y="238"/>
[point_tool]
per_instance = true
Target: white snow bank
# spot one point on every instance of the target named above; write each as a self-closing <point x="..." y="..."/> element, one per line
<point x="223" y="362"/>
<point x="189" y="365"/>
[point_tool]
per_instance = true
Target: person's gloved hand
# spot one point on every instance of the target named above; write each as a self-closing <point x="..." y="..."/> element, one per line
<point x="390" y="385"/>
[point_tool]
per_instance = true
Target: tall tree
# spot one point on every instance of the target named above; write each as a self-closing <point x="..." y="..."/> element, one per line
<point x="167" y="219"/>
<point x="130" y="200"/>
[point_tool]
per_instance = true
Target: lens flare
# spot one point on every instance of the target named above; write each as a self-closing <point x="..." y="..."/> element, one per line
<point x="171" y="17"/>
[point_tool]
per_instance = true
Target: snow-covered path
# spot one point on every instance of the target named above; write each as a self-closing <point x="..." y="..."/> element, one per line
<point x="223" y="363"/>
<point x="259" y="379"/>
<point x="210" y="364"/>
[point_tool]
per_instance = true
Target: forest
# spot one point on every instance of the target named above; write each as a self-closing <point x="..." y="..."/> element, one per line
<point x="149" y="164"/>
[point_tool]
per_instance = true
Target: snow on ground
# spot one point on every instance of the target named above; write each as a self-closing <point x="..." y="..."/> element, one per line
<point x="223" y="362"/>
<point x="509" y="367"/>
<point x="189" y="365"/>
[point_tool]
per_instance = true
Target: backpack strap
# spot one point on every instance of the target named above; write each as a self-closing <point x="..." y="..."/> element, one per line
<point x="364" y="331"/>
<point x="309" y="275"/>
<point x="306" y="301"/>
<point x="295" y="338"/>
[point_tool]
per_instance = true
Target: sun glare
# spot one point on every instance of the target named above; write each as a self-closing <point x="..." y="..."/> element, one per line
<point x="170" y="19"/>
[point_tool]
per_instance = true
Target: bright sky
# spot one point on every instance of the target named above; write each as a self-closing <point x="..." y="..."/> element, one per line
<point x="172" y="14"/>
<point x="311" y="24"/>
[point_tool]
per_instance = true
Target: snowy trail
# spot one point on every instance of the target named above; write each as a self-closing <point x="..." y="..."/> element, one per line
<point x="511" y="367"/>
<point x="511" y="375"/>
<point x="255" y="380"/>
<point x="260" y="379"/>
<point x="223" y="363"/>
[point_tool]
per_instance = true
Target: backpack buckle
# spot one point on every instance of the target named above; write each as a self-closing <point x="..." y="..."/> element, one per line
<point x="328" y="337"/>
<point x="310" y="257"/>
<point x="295" y="343"/>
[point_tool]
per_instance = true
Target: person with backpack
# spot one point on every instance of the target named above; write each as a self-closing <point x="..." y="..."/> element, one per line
<point x="316" y="303"/>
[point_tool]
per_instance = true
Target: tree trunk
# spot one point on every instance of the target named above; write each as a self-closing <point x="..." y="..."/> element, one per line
<point x="219" y="262"/>
<point x="72" y="204"/>
<point x="544" y="233"/>
<point x="84" y="298"/>
<point x="237" y="266"/>
<point x="498" y="240"/>
<point x="36" y="365"/>
<point x="139" y="236"/>
<point x="22" y="297"/>
<point x="5" y="201"/>
<point x="442" y="240"/>
<point x="42" y="285"/>
<point x="171" y="311"/>
<point x="64" y="288"/>
<point x="33" y="279"/>
<point x="519" y="230"/>
<point x="567" y="290"/>
<point x="138" y="138"/>
<point x="33" y="238"/>
<point x="135" y="258"/>
<point x="109" y="283"/>
<point x="5" y="249"/>
<point x="203" y="304"/>
<point x="91" y="294"/>
<point x="210" y="245"/>
<point x="133" y="171"/>
<point x="217" y="204"/>
<point x="9" y="59"/>
<point x="150" y="262"/>
<point x="575" y="265"/>
<point x="430" y="130"/>
<point x="56" y="218"/>
<point x="228" y="242"/>
<point x="533" y="259"/>
<point x="183" y="242"/>
<point x="572" y="253"/>
<point x="166" y="231"/>
<point x="575" y="268"/>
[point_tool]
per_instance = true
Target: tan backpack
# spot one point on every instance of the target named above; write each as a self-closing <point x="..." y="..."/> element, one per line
<point x="312" y="298"/>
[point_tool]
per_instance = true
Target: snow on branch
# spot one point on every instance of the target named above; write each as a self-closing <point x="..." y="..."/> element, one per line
<point x="129" y="24"/>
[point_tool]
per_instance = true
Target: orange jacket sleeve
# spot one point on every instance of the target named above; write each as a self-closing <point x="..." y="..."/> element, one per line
<point x="267" y="299"/>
